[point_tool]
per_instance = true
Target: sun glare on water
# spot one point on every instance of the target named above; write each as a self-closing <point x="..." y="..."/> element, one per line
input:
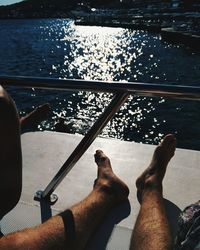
<point x="98" y="53"/>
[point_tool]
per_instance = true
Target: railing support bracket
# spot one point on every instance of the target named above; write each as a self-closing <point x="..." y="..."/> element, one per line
<point x="50" y="199"/>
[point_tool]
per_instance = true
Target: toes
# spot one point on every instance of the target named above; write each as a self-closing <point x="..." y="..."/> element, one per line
<point x="103" y="163"/>
<point x="100" y="157"/>
<point x="45" y="107"/>
<point x="43" y="110"/>
<point x="168" y="144"/>
<point x="168" y="140"/>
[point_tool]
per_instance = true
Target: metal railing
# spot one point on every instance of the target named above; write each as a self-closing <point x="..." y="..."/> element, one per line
<point x="121" y="92"/>
<point x="143" y="89"/>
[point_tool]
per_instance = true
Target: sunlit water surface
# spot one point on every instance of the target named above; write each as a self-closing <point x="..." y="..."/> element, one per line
<point x="59" y="49"/>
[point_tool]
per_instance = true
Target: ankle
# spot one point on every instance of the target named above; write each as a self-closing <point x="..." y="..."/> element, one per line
<point x="152" y="190"/>
<point x="101" y="196"/>
<point x="104" y="189"/>
<point x="114" y="192"/>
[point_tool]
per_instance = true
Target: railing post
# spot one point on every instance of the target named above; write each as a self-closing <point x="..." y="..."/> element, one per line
<point x="95" y="130"/>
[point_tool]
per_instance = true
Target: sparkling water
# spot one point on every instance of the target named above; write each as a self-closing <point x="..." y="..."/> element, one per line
<point x="59" y="49"/>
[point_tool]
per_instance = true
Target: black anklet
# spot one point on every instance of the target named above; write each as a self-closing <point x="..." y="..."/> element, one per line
<point x="68" y="220"/>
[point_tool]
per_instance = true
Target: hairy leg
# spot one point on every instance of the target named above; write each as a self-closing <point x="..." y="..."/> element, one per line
<point x="152" y="230"/>
<point x="73" y="228"/>
<point x="10" y="154"/>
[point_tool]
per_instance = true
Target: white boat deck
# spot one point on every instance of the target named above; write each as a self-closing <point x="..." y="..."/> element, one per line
<point x="45" y="152"/>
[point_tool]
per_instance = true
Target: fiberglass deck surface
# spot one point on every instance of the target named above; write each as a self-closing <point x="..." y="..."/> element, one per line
<point x="45" y="152"/>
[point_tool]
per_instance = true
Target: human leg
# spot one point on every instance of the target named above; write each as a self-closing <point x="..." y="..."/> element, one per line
<point x="62" y="232"/>
<point x="34" y="117"/>
<point x="10" y="154"/>
<point x="152" y="230"/>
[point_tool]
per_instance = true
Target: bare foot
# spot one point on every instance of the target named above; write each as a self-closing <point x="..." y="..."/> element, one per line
<point x="107" y="181"/>
<point x="36" y="116"/>
<point x="153" y="176"/>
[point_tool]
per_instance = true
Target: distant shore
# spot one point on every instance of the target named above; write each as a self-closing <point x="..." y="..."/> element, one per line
<point x="175" y="27"/>
<point x="174" y="24"/>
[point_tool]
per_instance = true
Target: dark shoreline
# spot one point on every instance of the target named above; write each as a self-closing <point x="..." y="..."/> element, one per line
<point x="151" y="28"/>
<point x="170" y="34"/>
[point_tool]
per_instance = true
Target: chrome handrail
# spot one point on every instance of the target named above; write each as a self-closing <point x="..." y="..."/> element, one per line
<point x="137" y="88"/>
<point x="121" y="91"/>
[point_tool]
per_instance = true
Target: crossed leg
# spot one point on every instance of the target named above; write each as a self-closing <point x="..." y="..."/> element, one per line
<point x="73" y="232"/>
<point x="152" y="230"/>
<point x="107" y="193"/>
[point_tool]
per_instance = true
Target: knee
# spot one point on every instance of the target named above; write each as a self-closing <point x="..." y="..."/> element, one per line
<point x="7" y="106"/>
<point x="4" y="100"/>
<point x="1" y="90"/>
<point x="3" y="93"/>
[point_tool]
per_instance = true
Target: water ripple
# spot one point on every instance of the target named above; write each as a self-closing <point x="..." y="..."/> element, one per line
<point x="58" y="48"/>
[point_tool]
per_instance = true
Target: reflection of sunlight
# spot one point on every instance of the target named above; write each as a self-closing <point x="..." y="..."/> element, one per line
<point x="99" y="53"/>
<point x="109" y="54"/>
<point x="103" y="53"/>
<point x="60" y="49"/>
<point x="90" y="30"/>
